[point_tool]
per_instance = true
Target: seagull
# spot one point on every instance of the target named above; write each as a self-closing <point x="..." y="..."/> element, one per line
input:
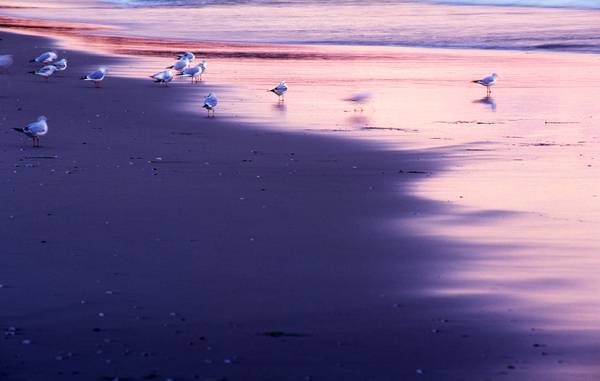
<point x="45" y="71"/>
<point x="488" y="82"/>
<point x="210" y="102"/>
<point x="180" y="65"/>
<point x="187" y="55"/>
<point x="195" y="72"/>
<point x="165" y="76"/>
<point x="359" y="98"/>
<point x="45" y="58"/>
<point x="96" y="76"/>
<point x="60" y="65"/>
<point x="5" y="61"/>
<point x="280" y="90"/>
<point x="35" y="130"/>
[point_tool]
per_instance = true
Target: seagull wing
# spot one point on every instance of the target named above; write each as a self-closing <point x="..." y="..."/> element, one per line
<point x="487" y="80"/>
<point x="97" y="75"/>
<point x="35" y="128"/>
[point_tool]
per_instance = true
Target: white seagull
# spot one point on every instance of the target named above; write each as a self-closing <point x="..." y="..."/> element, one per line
<point x="280" y="90"/>
<point x="195" y="72"/>
<point x="5" y="61"/>
<point x="180" y="65"/>
<point x="210" y="102"/>
<point x="488" y="82"/>
<point x="187" y="55"/>
<point x="96" y="76"/>
<point x="60" y="65"/>
<point x="164" y="76"/>
<point x="35" y="130"/>
<point x="45" y="58"/>
<point x="359" y="98"/>
<point x="45" y="71"/>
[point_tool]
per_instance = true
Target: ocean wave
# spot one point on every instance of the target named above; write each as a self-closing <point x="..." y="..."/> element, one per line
<point x="378" y="23"/>
<point x="575" y="4"/>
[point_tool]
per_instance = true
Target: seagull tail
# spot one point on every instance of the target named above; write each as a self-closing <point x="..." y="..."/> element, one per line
<point x="30" y="61"/>
<point x="84" y="77"/>
<point x="170" y="67"/>
<point x="19" y="129"/>
<point x="475" y="81"/>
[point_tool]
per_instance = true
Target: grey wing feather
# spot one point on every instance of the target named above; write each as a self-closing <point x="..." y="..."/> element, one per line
<point x="34" y="128"/>
<point x="96" y="75"/>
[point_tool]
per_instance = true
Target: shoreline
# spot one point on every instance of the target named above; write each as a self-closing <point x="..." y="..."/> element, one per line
<point x="195" y="259"/>
<point x="326" y="167"/>
<point x="106" y="16"/>
<point x="134" y="45"/>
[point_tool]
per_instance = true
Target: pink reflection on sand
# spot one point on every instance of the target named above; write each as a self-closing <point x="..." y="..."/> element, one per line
<point x="529" y="155"/>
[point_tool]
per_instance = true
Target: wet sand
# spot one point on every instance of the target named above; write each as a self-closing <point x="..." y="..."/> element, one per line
<point x="146" y="241"/>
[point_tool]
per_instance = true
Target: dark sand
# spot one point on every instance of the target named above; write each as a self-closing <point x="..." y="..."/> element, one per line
<point x="194" y="237"/>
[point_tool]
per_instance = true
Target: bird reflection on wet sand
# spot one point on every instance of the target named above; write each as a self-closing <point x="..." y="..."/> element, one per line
<point x="358" y="121"/>
<point x="487" y="100"/>
<point x="280" y="107"/>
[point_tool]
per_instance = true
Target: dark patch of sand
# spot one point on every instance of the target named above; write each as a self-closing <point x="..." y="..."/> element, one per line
<point x="141" y="242"/>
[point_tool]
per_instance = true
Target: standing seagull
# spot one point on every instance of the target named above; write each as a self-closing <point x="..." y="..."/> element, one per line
<point x="165" y="77"/>
<point x="60" y="65"/>
<point x="45" y="58"/>
<point x="180" y="65"/>
<point x="187" y="55"/>
<point x="280" y="90"/>
<point x="35" y="130"/>
<point x="195" y="72"/>
<point x="210" y="102"/>
<point x="96" y="76"/>
<point x="488" y="82"/>
<point x="45" y="71"/>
